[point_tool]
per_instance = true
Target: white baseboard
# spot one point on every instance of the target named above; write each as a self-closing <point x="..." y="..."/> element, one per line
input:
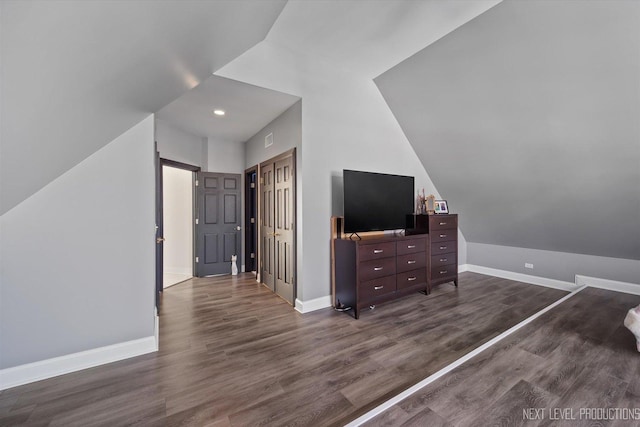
<point x="519" y="277"/>
<point x="31" y="372"/>
<point x="463" y="267"/>
<point x="314" y="304"/>
<point x="612" y="285"/>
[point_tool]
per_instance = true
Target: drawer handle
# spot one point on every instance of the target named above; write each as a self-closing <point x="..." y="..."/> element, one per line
<point x="443" y="235"/>
<point x="378" y="251"/>
<point x="411" y="262"/>
<point x="443" y="247"/>
<point x="411" y="279"/>
<point x="443" y="260"/>
<point x="377" y="268"/>
<point x="411" y="246"/>
<point x="443" y="223"/>
<point x="443" y="271"/>
<point x="377" y="288"/>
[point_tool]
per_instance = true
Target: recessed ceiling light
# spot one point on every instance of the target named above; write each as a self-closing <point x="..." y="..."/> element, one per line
<point x="218" y="112"/>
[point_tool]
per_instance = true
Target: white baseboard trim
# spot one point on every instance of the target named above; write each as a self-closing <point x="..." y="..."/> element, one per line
<point x="463" y="267"/>
<point x="425" y="382"/>
<point x="612" y="285"/>
<point x="314" y="304"/>
<point x="519" y="277"/>
<point x="31" y="372"/>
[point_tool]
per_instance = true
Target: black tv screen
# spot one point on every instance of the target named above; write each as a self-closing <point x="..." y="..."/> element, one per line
<point x="376" y="201"/>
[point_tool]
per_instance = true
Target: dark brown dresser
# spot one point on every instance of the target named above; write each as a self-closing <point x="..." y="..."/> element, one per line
<point x="378" y="269"/>
<point x="442" y="250"/>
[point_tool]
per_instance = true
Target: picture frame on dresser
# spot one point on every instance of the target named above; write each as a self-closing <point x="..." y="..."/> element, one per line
<point x="441" y="207"/>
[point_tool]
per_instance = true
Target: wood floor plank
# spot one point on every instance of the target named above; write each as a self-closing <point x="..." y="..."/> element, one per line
<point x="233" y="353"/>
<point x="578" y="355"/>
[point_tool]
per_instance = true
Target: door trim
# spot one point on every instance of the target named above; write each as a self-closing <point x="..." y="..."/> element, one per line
<point x="289" y="153"/>
<point x="160" y="214"/>
<point x="247" y="218"/>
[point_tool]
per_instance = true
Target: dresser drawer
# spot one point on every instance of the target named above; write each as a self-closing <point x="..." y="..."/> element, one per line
<point x="444" y="247"/>
<point x="411" y="278"/>
<point x="411" y="246"/>
<point x="442" y="222"/>
<point x="376" y="268"/>
<point x="376" y="251"/>
<point x="373" y="288"/>
<point x="443" y="271"/>
<point x="444" y="235"/>
<point x="444" y="259"/>
<point x="411" y="261"/>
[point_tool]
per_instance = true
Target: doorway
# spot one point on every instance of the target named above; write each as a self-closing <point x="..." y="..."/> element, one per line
<point x="277" y="227"/>
<point x="177" y="208"/>
<point x="160" y="165"/>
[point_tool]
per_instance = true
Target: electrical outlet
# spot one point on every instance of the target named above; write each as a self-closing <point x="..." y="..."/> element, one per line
<point x="528" y="265"/>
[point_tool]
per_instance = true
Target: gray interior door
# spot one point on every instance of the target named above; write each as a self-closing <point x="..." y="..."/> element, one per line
<point x="283" y="233"/>
<point x="217" y="222"/>
<point x="267" y="230"/>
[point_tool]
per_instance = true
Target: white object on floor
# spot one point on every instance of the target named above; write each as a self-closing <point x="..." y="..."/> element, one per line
<point x="234" y="265"/>
<point x="632" y="322"/>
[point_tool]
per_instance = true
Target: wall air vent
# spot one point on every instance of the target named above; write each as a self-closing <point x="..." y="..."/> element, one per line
<point x="268" y="140"/>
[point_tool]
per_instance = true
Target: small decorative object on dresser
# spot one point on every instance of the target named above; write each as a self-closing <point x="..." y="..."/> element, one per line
<point x="441" y="207"/>
<point x="430" y="204"/>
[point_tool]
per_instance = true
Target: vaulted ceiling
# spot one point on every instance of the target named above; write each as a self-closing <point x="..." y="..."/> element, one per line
<point x="527" y="119"/>
<point x="75" y="75"/>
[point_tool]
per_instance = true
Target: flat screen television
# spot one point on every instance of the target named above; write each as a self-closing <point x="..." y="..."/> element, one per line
<point x="376" y="201"/>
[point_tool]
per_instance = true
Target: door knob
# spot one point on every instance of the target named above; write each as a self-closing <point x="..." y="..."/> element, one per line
<point x="159" y="239"/>
<point x="238" y="228"/>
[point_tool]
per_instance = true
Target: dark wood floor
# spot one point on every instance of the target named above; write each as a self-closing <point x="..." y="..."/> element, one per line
<point x="233" y="353"/>
<point x="578" y="355"/>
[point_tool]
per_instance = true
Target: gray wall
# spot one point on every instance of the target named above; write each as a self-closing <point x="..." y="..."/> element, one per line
<point x="287" y="134"/>
<point x="176" y="144"/>
<point x="226" y="156"/>
<point x="553" y="265"/>
<point x="77" y="257"/>
<point x="527" y="120"/>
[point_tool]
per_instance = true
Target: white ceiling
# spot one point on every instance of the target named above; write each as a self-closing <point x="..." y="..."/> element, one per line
<point x="248" y="109"/>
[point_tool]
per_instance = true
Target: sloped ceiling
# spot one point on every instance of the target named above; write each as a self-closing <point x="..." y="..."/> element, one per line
<point x="75" y="75"/>
<point x="367" y="37"/>
<point x="527" y="120"/>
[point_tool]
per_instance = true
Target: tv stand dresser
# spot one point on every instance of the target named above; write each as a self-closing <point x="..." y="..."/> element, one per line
<point x="380" y="268"/>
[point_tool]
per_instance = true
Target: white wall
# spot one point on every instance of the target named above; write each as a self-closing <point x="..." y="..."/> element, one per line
<point x="345" y="125"/>
<point x="225" y="156"/>
<point x="176" y="144"/>
<point x="77" y="257"/>
<point x="177" y="202"/>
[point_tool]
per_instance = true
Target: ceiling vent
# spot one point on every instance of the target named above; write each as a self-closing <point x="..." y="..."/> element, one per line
<point x="268" y="140"/>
